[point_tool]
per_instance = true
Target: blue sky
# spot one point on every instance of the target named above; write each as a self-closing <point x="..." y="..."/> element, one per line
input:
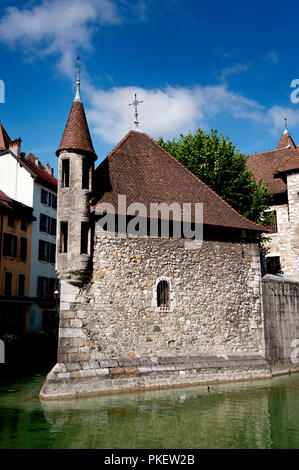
<point x="222" y="65"/>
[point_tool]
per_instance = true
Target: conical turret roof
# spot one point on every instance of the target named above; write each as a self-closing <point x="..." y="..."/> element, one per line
<point x="76" y="134"/>
<point x="286" y="141"/>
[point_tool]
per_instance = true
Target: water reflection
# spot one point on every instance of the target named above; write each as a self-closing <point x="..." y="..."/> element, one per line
<point x="249" y="415"/>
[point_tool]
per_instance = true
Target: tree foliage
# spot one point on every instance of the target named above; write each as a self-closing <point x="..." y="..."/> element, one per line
<point x="217" y="163"/>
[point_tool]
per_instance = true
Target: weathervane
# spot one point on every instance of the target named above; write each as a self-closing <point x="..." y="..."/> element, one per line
<point x="136" y="103"/>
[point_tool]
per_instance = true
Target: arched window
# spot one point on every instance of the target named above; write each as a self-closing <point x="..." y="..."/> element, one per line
<point x="163" y="294"/>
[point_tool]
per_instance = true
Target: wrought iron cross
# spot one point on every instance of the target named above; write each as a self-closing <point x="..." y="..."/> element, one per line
<point x="136" y="103"/>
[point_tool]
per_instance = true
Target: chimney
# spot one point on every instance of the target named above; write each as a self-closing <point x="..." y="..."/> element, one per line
<point x="15" y="146"/>
<point x="36" y="161"/>
<point x="48" y="169"/>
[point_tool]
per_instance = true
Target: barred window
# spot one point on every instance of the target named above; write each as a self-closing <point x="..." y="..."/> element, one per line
<point x="163" y="294"/>
<point x="273" y="226"/>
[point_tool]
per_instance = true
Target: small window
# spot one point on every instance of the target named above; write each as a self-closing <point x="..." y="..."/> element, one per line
<point x="21" y="285"/>
<point x="7" y="282"/>
<point x="9" y="245"/>
<point x="44" y="197"/>
<point x="63" y="237"/>
<point x="23" y="225"/>
<point x="23" y="249"/>
<point x="85" y="174"/>
<point x="163" y="294"/>
<point x="273" y="225"/>
<point x="273" y="264"/>
<point x="84" y="237"/>
<point x="65" y="177"/>
<point x="11" y="220"/>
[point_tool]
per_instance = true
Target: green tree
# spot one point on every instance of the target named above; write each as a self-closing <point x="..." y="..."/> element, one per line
<point x="217" y="163"/>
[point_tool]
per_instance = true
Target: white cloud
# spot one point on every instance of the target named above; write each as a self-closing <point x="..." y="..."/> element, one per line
<point x="236" y="68"/>
<point x="174" y="110"/>
<point x="59" y="26"/>
<point x="166" y="112"/>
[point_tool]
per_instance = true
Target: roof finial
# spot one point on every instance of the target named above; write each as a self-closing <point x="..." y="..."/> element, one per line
<point x="136" y="103"/>
<point x="286" y="126"/>
<point x="77" y="97"/>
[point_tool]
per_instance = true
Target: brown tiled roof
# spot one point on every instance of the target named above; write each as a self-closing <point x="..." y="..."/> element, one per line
<point x="76" y="134"/>
<point x="290" y="163"/>
<point x="4" y="138"/>
<point x="10" y="204"/>
<point x="42" y="175"/>
<point x="142" y="170"/>
<point x="4" y="200"/>
<point x="266" y="164"/>
<point x="285" y="141"/>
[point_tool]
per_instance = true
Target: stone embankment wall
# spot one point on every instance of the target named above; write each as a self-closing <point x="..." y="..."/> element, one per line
<point x="281" y="319"/>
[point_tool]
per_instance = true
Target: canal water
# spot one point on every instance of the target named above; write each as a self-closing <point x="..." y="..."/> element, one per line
<point x="255" y="415"/>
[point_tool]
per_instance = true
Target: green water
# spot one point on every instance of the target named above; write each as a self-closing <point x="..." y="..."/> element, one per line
<point x="262" y="414"/>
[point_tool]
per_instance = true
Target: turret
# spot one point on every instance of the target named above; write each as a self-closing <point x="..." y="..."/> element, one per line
<point x="76" y="157"/>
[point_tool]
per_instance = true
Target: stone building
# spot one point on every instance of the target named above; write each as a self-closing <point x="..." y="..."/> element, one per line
<point x="141" y="311"/>
<point x="279" y="168"/>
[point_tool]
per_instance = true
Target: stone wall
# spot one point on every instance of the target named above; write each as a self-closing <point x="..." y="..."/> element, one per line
<point x="214" y="298"/>
<point x="285" y="243"/>
<point x="281" y="316"/>
<point x="113" y="334"/>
